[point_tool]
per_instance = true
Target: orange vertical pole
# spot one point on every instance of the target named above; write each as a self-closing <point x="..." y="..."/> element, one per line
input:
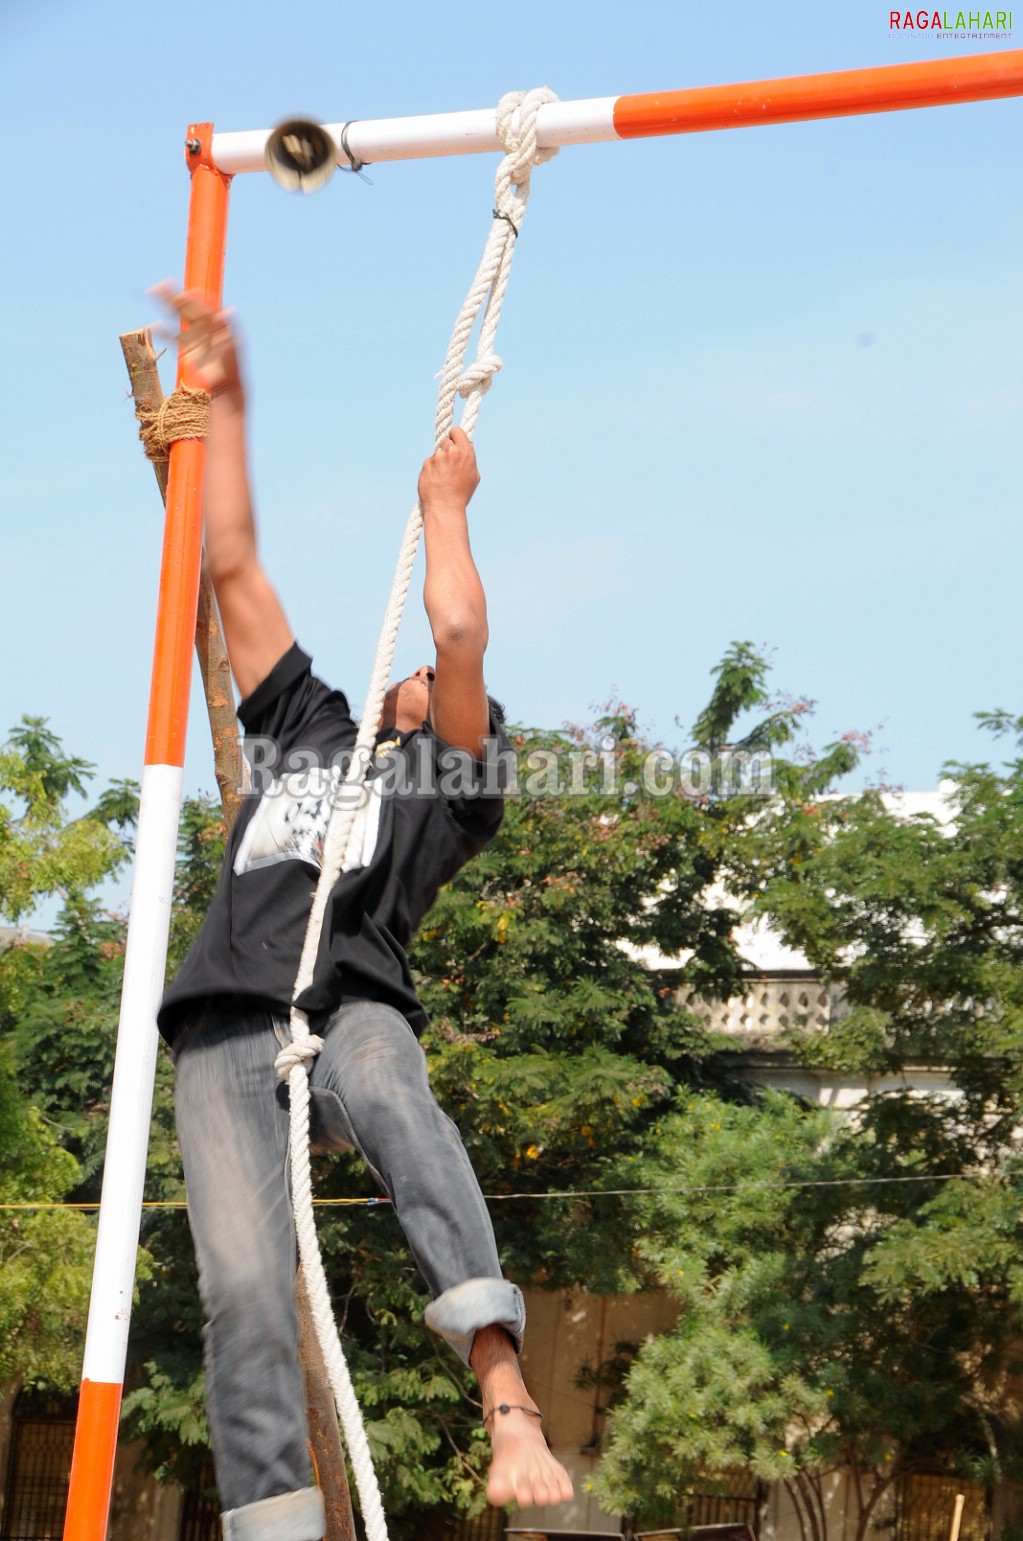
<point x="92" y="1465"/>
<point x="179" y="576"/>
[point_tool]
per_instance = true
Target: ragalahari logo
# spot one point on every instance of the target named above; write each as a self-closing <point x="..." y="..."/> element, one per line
<point x="956" y="23"/>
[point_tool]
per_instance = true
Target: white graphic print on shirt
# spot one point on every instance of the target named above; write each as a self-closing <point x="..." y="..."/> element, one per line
<point x="290" y="823"/>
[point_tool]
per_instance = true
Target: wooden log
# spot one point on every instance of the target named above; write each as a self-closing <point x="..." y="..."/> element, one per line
<point x="215" y="669"/>
<point x="214" y="665"/>
<point x="324" y="1439"/>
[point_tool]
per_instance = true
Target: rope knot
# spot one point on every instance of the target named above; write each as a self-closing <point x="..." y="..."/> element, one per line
<point x="480" y="374"/>
<point x="297" y="1053"/>
<point x="516" y="129"/>
<point x="183" y="415"/>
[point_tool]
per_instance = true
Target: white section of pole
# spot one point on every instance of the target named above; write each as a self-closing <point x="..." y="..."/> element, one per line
<point x="444" y="133"/>
<point x="131" y="1097"/>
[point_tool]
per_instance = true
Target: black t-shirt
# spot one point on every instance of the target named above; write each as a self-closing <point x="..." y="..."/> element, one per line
<point x="426" y="811"/>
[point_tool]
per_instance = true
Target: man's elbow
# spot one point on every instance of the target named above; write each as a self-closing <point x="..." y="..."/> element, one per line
<point x="231" y="561"/>
<point x="465" y="634"/>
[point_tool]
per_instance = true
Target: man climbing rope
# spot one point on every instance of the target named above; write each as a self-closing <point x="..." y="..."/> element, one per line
<point x="226" y="1012"/>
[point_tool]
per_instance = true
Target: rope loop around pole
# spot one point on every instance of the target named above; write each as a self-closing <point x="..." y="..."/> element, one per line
<point x="516" y="122"/>
<point x="516" y="129"/>
<point x="182" y="415"/>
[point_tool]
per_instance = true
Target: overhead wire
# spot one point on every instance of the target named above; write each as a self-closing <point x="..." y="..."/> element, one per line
<point x="590" y="1193"/>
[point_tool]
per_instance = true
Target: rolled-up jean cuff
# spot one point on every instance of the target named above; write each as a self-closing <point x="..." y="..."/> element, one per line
<point x="459" y="1313"/>
<point x="296" y="1516"/>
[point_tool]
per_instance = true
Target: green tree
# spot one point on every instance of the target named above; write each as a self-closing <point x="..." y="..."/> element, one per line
<point x="867" y="1316"/>
<point x="829" y="1315"/>
<point x="45" y="1252"/>
<point x="42" y="851"/>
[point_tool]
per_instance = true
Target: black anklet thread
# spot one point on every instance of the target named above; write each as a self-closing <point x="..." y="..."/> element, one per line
<point x="504" y="1408"/>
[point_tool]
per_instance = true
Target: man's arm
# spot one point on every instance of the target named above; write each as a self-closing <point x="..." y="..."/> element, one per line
<point x="256" y="629"/>
<point x="453" y="594"/>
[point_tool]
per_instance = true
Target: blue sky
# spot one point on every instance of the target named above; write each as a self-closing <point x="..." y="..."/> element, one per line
<point x="761" y="384"/>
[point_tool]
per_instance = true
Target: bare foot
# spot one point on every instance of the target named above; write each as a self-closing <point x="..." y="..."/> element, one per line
<point x="522" y="1467"/>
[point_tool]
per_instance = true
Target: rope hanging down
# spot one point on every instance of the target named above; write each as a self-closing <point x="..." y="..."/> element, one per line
<point x="516" y="126"/>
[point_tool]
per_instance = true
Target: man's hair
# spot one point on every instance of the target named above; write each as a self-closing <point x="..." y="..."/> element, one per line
<point x="498" y="715"/>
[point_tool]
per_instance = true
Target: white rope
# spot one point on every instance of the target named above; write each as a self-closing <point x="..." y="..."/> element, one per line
<point x="516" y="125"/>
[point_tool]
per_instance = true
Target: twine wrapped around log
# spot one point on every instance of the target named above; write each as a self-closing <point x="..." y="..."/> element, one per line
<point x="183" y="415"/>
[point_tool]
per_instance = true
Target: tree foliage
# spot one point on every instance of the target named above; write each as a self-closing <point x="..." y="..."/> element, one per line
<point x="830" y="1315"/>
<point x="817" y="1294"/>
<point x="42" y="852"/>
<point x="45" y="1252"/>
<point x="860" y="1277"/>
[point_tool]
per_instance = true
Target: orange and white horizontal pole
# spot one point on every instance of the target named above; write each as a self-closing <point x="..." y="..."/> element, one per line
<point x="131" y="1102"/>
<point x="845" y="93"/>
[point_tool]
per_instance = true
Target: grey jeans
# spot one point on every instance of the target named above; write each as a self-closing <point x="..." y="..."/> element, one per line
<point x="369" y="1091"/>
